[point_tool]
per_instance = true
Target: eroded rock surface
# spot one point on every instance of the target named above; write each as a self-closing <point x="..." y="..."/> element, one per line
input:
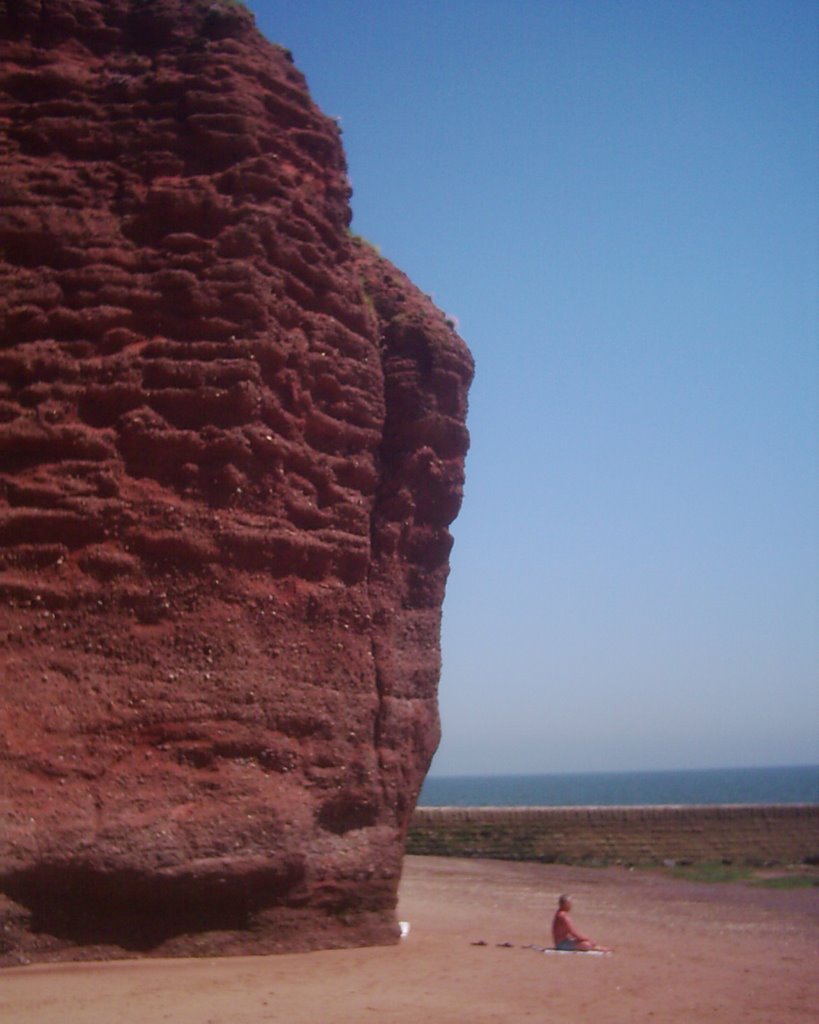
<point x="231" y="442"/>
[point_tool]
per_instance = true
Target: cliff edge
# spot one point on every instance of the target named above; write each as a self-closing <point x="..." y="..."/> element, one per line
<point x="232" y="439"/>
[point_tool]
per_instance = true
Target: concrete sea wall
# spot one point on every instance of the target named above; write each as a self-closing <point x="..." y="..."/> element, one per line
<point x="741" y="834"/>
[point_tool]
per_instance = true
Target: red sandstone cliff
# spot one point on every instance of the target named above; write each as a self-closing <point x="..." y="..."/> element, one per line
<point x="231" y="442"/>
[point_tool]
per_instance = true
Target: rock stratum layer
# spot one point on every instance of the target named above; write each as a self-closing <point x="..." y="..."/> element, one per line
<point x="231" y="443"/>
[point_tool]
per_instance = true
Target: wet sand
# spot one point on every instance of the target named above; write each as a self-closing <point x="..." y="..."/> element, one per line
<point x="684" y="952"/>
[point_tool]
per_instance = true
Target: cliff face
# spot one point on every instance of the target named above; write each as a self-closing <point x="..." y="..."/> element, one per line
<point x="231" y="442"/>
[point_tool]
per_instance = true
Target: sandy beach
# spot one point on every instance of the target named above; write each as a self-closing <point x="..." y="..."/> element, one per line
<point x="684" y="952"/>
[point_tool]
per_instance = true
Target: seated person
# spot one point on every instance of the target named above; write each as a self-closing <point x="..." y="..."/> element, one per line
<point x="566" y="937"/>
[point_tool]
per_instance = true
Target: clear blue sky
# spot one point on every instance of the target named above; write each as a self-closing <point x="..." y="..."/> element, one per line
<point x="618" y="201"/>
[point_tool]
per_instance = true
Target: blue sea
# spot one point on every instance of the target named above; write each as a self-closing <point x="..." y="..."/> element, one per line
<point x="798" y="785"/>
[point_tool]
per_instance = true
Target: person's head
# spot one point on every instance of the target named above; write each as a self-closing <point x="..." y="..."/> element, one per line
<point x="564" y="902"/>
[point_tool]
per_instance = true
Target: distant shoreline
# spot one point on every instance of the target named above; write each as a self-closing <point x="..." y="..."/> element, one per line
<point x="537" y="808"/>
<point x="795" y="784"/>
<point x="633" y="771"/>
